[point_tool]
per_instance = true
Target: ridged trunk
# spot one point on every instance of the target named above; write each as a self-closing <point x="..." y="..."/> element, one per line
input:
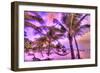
<point x="71" y="46"/>
<point x="78" y="52"/>
<point x="49" y="47"/>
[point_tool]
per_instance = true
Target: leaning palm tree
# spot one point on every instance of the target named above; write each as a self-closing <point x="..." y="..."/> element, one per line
<point x="51" y="35"/>
<point x="71" y="23"/>
<point x="32" y="16"/>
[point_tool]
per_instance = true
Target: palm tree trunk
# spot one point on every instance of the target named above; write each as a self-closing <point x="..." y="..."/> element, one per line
<point x="49" y="48"/>
<point x="78" y="53"/>
<point x="71" y="47"/>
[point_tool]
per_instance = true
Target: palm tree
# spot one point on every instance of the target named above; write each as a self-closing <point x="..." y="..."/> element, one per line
<point x="51" y="35"/>
<point x="71" y="23"/>
<point x="27" y="43"/>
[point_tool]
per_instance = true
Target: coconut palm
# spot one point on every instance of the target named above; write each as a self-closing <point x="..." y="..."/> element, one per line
<point x="28" y="44"/>
<point x="51" y="35"/>
<point x="71" y="23"/>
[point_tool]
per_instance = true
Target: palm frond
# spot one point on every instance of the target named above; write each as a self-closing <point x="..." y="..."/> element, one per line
<point x="33" y="17"/>
<point x="70" y="19"/>
<point x="28" y="24"/>
<point x="57" y="36"/>
<point x="36" y="28"/>
<point x="82" y="18"/>
<point x="59" y="23"/>
<point x="83" y="29"/>
<point x="64" y="18"/>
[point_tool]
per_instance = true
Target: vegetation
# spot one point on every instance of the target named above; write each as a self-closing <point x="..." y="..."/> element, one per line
<point x="70" y="25"/>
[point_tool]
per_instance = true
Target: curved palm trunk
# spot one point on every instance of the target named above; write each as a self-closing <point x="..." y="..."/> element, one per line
<point x="48" y="53"/>
<point x="71" y="46"/>
<point x="78" y="53"/>
<point x="49" y="49"/>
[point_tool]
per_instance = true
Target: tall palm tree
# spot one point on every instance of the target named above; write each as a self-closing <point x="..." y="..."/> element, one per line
<point x="47" y="38"/>
<point x="33" y="16"/>
<point x="71" y="23"/>
<point x="51" y="35"/>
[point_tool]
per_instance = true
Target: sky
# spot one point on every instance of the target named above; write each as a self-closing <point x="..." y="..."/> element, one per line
<point x="83" y="40"/>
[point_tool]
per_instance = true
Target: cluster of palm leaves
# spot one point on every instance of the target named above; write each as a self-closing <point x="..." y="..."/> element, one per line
<point x="70" y="27"/>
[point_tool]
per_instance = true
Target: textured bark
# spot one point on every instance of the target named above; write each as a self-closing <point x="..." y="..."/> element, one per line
<point x="71" y="47"/>
<point x="49" y="47"/>
<point x="78" y="53"/>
